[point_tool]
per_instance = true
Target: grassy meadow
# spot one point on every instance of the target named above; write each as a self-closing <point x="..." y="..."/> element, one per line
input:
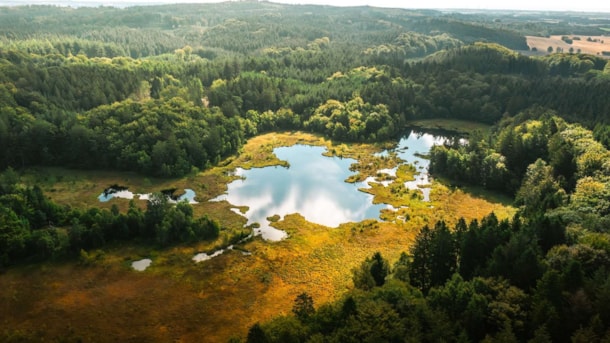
<point x="593" y="45"/>
<point x="452" y="125"/>
<point x="175" y="299"/>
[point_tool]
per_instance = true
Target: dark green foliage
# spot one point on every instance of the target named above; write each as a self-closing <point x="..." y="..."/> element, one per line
<point x="170" y="90"/>
<point x="379" y="269"/>
<point x="276" y="71"/>
<point x="353" y="121"/>
<point x="303" y="307"/>
<point x="517" y="261"/>
<point x="420" y="270"/>
<point x="443" y="259"/>
<point x="401" y="268"/>
<point x="514" y="293"/>
<point x="371" y="273"/>
<point x="34" y="228"/>
<point x="285" y="329"/>
<point x="568" y="64"/>
<point x="205" y="228"/>
<point x="433" y="257"/>
<point x="178" y="136"/>
<point x="257" y="335"/>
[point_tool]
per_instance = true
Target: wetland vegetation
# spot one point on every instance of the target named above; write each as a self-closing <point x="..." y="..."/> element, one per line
<point x="315" y="124"/>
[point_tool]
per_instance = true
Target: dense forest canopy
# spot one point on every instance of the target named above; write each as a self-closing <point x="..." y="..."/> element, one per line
<point x="171" y="90"/>
<point x="263" y="66"/>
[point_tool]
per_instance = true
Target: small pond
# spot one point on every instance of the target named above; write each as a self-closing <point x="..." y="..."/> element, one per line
<point x="141" y="265"/>
<point x="411" y="149"/>
<point x="124" y="193"/>
<point x="202" y="256"/>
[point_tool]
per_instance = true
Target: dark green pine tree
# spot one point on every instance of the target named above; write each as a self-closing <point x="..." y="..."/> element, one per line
<point x="420" y="273"/>
<point x="443" y="254"/>
<point x="303" y="306"/>
<point x="379" y="269"/>
<point x="256" y="334"/>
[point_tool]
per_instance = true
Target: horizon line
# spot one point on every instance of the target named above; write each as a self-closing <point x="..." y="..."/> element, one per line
<point x="143" y="3"/>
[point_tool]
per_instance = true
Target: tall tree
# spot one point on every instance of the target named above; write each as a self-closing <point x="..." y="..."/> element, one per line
<point x="420" y="274"/>
<point x="443" y="254"/>
<point x="303" y="307"/>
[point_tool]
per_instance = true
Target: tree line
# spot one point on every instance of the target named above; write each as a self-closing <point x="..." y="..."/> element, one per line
<point x="170" y="90"/>
<point x="188" y="112"/>
<point x="542" y="276"/>
<point x="551" y="167"/>
<point x="33" y="228"/>
<point x="482" y="281"/>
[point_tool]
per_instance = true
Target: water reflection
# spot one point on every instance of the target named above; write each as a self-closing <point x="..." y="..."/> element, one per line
<point x="106" y="195"/>
<point x="141" y="265"/>
<point x="313" y="186"/>
<point x="411" y="149"/>
<point x="200" y="257"/>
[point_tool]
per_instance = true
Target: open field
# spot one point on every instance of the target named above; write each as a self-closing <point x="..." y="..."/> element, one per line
<point x="212" y="301"/>
<point x="452" y="125"/>
<point x="595" y="46"/>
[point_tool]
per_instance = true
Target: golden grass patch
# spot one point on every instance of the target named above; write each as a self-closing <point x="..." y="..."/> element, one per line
<point x="454" y="125"/>
<point x="593" y="45"/>
<point x="177" y="299"/>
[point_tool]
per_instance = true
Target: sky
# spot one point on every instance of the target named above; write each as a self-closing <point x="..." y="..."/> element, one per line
<point x="555" y="5"/>
<point x="552" y="5"/>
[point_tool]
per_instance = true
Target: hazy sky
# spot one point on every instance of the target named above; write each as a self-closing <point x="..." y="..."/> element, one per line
<point x="554" y="5"/>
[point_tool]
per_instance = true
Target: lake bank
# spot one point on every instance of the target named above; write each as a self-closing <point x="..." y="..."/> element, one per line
<point x="248" y="288"/>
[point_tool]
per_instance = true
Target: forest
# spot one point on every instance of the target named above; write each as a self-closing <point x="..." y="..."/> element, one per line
<point x="170" y="91"/>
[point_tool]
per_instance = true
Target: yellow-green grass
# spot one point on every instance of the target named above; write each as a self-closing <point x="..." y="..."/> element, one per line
<point x="212" y="301"/>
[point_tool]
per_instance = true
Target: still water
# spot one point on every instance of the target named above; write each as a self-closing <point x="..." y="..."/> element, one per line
<point x="189" y="195"/>
<point x="314" y="186"/>
<point x="141" y="265"/>
<point x="412" y="149"/>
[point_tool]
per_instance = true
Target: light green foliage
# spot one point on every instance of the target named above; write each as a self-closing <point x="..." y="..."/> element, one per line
<point x="169" y="90"/>
<point x="591" y="196"/>
<point x="13" y="236"/>
<point x="539" y="190"/>
<point x="412" y="44"/>
<point x="565" y="64"/>
<point x="352" y="121"/>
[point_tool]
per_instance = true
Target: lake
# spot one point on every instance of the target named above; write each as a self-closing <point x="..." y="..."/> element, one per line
<point x="313" y="186"/>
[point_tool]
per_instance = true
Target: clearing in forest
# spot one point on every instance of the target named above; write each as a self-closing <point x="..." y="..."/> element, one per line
<point x="594" y="45"/>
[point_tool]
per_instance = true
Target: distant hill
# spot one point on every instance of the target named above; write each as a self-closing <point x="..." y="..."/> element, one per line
<point x="83" y="3"/>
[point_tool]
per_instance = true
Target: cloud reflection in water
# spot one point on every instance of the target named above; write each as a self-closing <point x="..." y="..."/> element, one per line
<point x="313" y="186"/>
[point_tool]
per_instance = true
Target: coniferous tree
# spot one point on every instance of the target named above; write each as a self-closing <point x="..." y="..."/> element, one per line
<point x="420" y="271"/>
